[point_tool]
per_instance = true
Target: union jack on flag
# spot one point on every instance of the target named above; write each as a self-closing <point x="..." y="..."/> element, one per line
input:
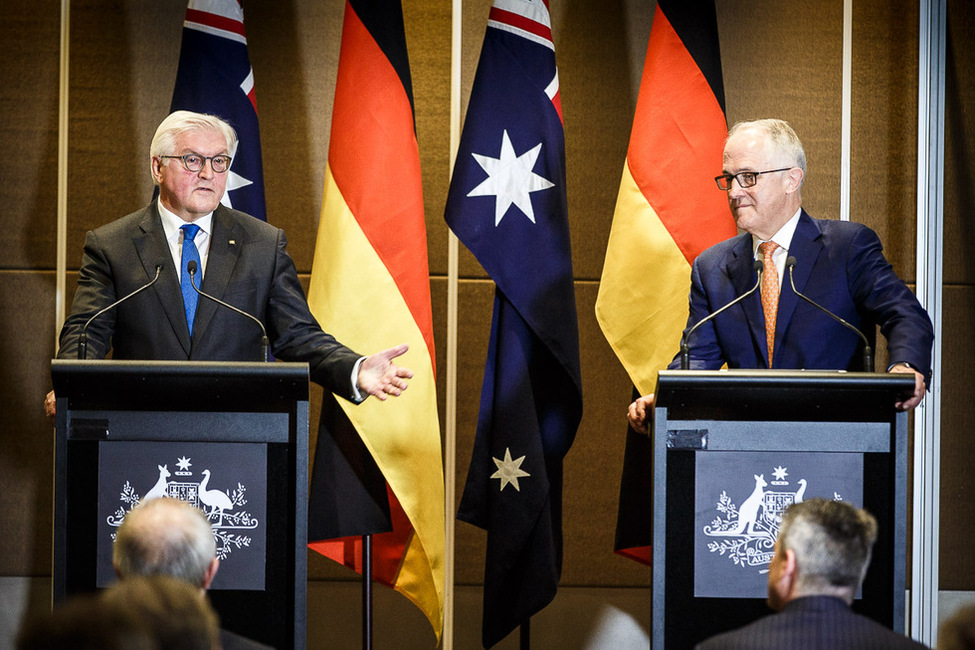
<point x="215" y="77"/>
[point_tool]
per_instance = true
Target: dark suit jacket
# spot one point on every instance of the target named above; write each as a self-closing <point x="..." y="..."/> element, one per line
<point x="248" y="266"/>
<point x="812" y="623"/>
<point x="841" y="266"/>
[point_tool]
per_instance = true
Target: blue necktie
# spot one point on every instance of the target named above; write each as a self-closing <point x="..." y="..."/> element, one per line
<point x="190" y="252"/>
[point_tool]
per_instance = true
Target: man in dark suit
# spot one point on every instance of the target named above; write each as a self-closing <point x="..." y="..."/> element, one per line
<point x="838" y="264"/>
<point x="821" y="556"/>
<point x="169" y="537"/>
<point x="238" y="259"/>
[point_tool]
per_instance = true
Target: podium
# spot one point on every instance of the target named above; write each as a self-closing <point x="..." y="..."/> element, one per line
<point x="734" y="448"/>
<point x="231" y="438"/>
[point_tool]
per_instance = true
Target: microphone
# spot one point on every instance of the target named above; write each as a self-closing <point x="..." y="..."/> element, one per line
<point x="83" y="337"/>
<point x="191" y="267"/>
<point x="790" y="263"/>
<point x="685" y="351"/>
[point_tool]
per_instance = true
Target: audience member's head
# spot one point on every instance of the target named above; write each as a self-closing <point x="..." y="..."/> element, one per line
<point x="142" y="613"/>
<point x="823" y="549"/>
<point x="166" y="537"/>
<point x="178" y="615"/>
<point x="958" y="631"/>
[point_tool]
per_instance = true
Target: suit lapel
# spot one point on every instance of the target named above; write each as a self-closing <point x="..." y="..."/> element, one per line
<point x="154" y="250"/>
<point x="740" y="271"/>
<point x="221" y="260"/>
<point x="805" y="247"/>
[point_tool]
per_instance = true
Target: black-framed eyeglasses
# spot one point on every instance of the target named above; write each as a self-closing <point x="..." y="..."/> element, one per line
<point x="194" y="162"/>
<point x="745" y="179"/>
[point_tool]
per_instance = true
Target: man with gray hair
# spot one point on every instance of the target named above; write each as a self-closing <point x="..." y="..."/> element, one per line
<point x="839" y="265"/>
<point x="166" y="537"/>
<point x="821" y="557"/>
<point x="169" y="537"/>
<point x="187" y="241"/>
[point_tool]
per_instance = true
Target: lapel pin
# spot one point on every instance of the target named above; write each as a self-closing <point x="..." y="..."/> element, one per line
<point x="233" y="242"/>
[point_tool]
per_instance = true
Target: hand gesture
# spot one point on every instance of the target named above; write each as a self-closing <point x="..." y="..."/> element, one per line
<point x="379" y="376"/>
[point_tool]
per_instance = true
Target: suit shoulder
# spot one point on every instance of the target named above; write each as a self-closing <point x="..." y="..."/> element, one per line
<point x="714" y="254"/>
<point x="124" y="224"/>
<point x="241" y="221"/>
<point x="843" y="230"/>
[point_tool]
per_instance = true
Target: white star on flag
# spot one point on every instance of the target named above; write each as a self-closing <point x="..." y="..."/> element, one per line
<point x="510" y="179"/>
<point x="234" y="182"/>
<point x="509" y="470"/>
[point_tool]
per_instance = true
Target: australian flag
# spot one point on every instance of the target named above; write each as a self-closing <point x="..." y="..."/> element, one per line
<point x="507" y="204"/>
<point x="215" y="77"/>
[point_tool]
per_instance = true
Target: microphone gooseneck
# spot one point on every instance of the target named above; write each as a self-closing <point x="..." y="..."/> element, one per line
<point x="790" y="263"/>
<point x="685" y="349"/>
<point x="192" y="268"/>
<point x="83" y="337"/>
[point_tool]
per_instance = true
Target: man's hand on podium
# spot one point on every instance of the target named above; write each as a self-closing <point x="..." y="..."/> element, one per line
<point x="919" y="387"/>
<point x="637" y="413"/>
<point x="49" y="404"/>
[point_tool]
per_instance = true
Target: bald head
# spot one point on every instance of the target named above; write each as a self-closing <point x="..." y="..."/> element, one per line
<point x="166" y="537"/>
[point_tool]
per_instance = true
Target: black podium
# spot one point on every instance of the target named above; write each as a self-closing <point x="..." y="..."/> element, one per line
<point x="231" y="438"/>
<point x="733" y="449"/>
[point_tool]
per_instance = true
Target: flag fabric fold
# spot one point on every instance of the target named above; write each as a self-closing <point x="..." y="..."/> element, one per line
<point x="507" y="204"/>
<point x="215" y="77"/>
<point x="667" y="212"/>
<point x="378" y="466"/>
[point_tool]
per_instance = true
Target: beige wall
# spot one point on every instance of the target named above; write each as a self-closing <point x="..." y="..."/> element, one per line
<point x="777" y="62"/>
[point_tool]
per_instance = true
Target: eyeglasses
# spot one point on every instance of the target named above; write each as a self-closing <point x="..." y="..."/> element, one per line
<point x="745" y="179"/>
<point x="194" y="162"/>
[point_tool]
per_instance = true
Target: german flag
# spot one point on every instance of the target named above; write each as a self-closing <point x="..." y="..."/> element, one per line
<point x="378" y="465"/>
<point x="667" y="212"/>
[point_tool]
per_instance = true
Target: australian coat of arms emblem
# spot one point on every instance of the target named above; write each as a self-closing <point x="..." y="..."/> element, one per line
<point x="745" y="530"/>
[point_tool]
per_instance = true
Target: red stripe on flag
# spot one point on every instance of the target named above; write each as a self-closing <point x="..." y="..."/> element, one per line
<point x="519" y="21"/>
<point x="373" y="155"/>
<point x="677" y="142"/>
<point x="214" y="20"/>
<point x="389" y="548"/>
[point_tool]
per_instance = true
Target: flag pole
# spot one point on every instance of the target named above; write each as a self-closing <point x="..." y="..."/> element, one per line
<point x="367" y="592"/>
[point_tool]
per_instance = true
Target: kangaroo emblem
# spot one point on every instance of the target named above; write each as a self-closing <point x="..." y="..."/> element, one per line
<point x="747" y="512"/>
<point x="159" y="489"/>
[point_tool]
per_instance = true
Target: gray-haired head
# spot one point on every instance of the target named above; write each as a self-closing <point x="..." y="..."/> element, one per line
<point x="832" y="541"/>
<point x="165" y="537"/>
<point x="164" y="140"/>
<point x="784" y="144"/>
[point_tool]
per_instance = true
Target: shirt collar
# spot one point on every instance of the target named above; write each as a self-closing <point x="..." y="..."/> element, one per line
<point x="783" y="237"/>
<point x="172" y="223"/>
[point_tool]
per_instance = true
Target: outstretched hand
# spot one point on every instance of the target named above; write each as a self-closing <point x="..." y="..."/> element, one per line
<point x="379" y="376"/>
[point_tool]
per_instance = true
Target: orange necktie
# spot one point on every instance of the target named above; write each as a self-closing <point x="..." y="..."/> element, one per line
<point x="770" y="294"/>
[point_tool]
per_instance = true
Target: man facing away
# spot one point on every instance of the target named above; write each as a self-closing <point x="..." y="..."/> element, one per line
<point x="838" y="264"/>
<point x="169" y="537"/>
<point x="821" y="557"/>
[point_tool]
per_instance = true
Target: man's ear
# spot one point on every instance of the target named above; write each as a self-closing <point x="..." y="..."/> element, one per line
<point x="790" y="569"/>
<point x="795" y="179"/>
<point x="155" y="165"/>
<point x="211" y="573"/>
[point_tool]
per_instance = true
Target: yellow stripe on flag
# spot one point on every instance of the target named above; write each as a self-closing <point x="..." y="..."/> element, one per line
<point x="642" y="301"/>
<point x="355" y="299"/>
